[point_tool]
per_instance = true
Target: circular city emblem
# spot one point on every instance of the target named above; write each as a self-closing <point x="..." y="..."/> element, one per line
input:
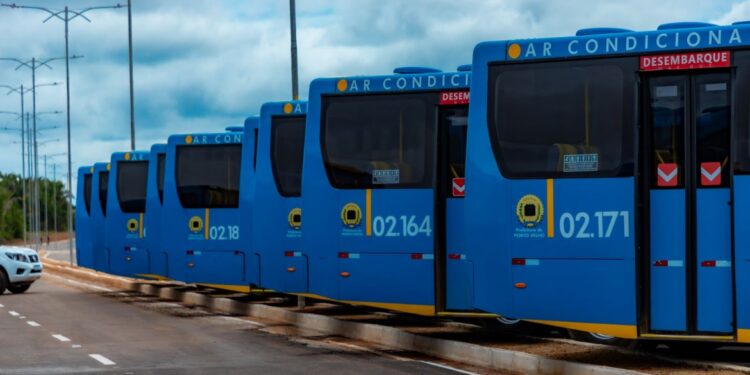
<point x="195" y="224"/>
<point x="288" y="107"/>
<point x="351" y="215"/>
<point x="530" y="211"/>
<point x="132" y="225"/>
<point x="295" y="218"/>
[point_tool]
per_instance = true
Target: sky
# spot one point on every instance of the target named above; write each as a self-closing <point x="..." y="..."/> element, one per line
<point x="200" y="65"/>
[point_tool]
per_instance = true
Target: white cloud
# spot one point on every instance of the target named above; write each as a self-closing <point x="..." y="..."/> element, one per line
<point x="202" y="64"/>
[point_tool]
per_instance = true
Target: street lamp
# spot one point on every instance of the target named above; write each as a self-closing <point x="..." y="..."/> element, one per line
<point x="22" y="91"/>
<point x="66" y="15"/>
<point x="35" y="64"/>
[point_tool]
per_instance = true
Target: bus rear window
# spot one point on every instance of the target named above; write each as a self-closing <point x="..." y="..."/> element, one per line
<point x="379" y="141"/>
<point x="563" y="119"/>
<point x="208" y="176"/>
<point x="287" y="142"/>
<point x="160" y="160"/>
<point x="131" y="185"/>
<point x="103" y="189"/>
<point x="87" y="192"/>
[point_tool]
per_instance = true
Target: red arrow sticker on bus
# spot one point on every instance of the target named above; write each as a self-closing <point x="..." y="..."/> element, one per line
<point x="459" y="187"/>
<point x="711" y="174"/>
<point x="454" y="97"/>
<point x="666" y="175"/>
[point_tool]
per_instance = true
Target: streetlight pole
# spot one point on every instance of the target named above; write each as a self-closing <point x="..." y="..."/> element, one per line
<point x="293" y="29"/>
<point x="130" y="64"/>
<point x="65" y="16"/>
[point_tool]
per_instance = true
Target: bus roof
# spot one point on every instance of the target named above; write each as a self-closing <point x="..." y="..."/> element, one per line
<point x="607" y="41"/>
<point x="426" y="79"/>
<point x="205" y="138"/>
<point x="130" y="156"/>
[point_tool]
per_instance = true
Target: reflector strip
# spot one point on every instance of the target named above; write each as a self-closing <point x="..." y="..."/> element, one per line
<point x="668" y="263"/>
<point x="716" y="263"/>
<point x="455" y="256"/>
<point x="525" y="262"/>
<point x="296" y="254"/>
<point x="349" y="255"/>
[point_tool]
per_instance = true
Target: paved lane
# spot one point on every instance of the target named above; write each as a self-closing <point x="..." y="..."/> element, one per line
<point x="56" y="328"/>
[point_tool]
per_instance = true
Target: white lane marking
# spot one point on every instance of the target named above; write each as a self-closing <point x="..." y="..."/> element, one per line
<point x="13" y="313"/>
<point x="61" y="338"/>
<point x="444" y="367"/>
<point x="102" y="359"/>
<point x="22" y="317"/>
<point x="69" y="281"/>
<point x="1" y="305"/>
<point x="75" y="346"/>
<point x="33" y="323"/>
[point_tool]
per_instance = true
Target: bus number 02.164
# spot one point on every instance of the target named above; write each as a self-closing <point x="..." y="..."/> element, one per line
<point x="576" y="225"/>
<point x="406" y="226"/>
<point x="221" y="232"/>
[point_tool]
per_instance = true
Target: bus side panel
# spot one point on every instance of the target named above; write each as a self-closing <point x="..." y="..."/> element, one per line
<point x="578" y="254"/>
<point x="225" y="267"/>
<point x="459" y="272"/>
<point x="293" y="276"/>
<point x="84" y="256"/>
<point x="714" y="244"/>
<point x="575" y="290"/>
<point x="742" y="251"/>
<point x="387" y="278"/>
<point x="667" y="228"/>
<point x="398" y="226"/>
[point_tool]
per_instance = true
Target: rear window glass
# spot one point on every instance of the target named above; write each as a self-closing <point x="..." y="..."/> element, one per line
<point x="208" y="176"/>
<point x="103" y="189"/>
<point x="87" y="192"/>
<point x="563" y="119"/>
<point x="287" y="142"/>
<point x="131" y="185"/>
<point x="379" y="141"/>
<point x="160" y="160"/>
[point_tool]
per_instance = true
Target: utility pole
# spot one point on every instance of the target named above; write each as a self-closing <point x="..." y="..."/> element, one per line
<point x="66" y="15"/>
<point x="293" y="27"/>
<point x="130" y="64"/>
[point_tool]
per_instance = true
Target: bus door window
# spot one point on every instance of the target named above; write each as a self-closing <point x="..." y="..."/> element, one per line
<point x="456" y="121"/>
<point x="668" y="134"/>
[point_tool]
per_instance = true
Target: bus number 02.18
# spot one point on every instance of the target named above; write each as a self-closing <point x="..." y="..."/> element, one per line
<point x="406" y="226"/>
<point x="576" y="225"/>
<point x="221" y="232"/>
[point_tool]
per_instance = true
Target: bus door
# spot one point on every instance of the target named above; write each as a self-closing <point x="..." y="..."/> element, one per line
<point x="688" y="236"/>
<point x="455" y="273"/>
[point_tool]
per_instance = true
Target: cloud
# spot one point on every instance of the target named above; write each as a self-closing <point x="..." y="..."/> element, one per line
<point x="203" y="64"/>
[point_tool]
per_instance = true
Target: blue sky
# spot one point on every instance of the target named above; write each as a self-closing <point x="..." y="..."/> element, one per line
<point x="203" y="64"/>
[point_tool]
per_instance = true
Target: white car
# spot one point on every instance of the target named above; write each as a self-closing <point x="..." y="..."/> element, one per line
<point x="19" y="268"/>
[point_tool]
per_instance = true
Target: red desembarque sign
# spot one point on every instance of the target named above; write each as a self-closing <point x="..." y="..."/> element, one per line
<point x="693" y="60"/>
<point x="454" y="97"/>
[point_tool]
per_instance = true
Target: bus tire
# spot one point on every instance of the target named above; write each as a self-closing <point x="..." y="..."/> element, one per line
<point x="599" y="338"/>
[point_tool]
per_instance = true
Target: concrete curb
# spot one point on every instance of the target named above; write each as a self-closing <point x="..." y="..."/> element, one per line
<point x="470" y="354"/>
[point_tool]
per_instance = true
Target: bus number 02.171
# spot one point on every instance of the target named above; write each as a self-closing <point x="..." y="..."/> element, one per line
<point x="221" y="232"/>
<point x="406" y="226"/>
<point x="576" y="225"/>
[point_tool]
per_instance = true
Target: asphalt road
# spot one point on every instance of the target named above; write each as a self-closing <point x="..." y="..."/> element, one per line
<point x="57" y="328"/>
<point x="58" y="250"/>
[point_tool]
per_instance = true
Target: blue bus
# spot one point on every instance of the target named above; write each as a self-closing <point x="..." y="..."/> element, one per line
<point x="99" y="193"/>
<point x="126" y="205"/>
<point x="383" y="181"/>
<point x="277" y="210"/>
<point x="84" y="249"/>
<point x="608" y="176"/>
<point x="153" y="231"/>
<point x="201" y="200"/>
